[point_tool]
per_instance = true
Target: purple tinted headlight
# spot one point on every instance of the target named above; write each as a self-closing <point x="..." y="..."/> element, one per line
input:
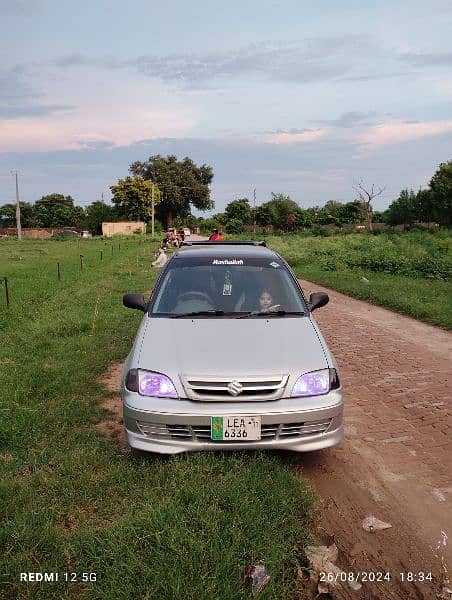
<point x="155" y="384"/>
<point x="312" y="384"/>
<point x="149" y="383"/>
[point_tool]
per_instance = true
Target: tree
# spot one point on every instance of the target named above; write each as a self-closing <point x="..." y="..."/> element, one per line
<point x="97" y="213"/>
<point x="403" y="210"/>
<point x="8" y="215"/>
<point x="365" y="197"/>
<point x="303" y="218"/>
<point x="235" y="226"/>
<point x="238" y="209"/>
<point x="57" y="210"/>
<point x="425" y="209"/>
<point x="220" y="218"/>
<point x="279" y="208"/>
<point x="441" y="199"/>
<point x="350" y="213"/>
<point x="263" y="215"/>
<point x="133" y="198"/>
<point x="182" y="184"/>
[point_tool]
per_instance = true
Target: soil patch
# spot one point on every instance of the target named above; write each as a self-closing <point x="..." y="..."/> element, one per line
<point x="113" y="425"/>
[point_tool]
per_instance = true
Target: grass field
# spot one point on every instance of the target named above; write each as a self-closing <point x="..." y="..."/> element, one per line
<point x="407" y="272"/>
<point x="71" y="500"/>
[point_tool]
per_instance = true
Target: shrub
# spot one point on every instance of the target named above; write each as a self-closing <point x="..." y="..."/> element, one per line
<point x="235" y="226"/>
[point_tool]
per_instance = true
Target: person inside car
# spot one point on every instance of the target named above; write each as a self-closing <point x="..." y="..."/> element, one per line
<point x="266" y="301"/>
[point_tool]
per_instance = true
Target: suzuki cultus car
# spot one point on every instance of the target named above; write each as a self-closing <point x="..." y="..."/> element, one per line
<point x="229" y="356"/>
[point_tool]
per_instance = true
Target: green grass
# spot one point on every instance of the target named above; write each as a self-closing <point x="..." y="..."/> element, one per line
<point x="72" y="500"/>
<point x="407" y="272"/>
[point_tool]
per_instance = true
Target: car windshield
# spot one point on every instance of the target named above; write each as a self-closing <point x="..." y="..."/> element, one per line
<point x="222" y="287"/>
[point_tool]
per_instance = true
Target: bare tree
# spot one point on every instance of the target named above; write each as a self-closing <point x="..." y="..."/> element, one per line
<point x="366" y="197"/>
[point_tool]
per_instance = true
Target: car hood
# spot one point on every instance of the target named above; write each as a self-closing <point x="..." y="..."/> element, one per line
<point x="231" y="347"/>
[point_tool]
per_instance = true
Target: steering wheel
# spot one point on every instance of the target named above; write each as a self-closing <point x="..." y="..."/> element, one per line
<point x="271" y="308"/>
<point x="200" y="296"/>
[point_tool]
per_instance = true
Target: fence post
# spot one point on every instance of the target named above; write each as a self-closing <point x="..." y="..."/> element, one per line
<point x="58" y="271"/>
<point x="81" y="262"/>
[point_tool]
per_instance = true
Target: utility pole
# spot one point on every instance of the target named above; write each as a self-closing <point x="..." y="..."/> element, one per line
<point x="254" y="210"/>
<point x="18" y="225"/>
<point x="152" y="200"/>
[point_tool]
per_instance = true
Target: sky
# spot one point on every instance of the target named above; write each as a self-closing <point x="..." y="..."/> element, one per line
<point x="285" y="96"/>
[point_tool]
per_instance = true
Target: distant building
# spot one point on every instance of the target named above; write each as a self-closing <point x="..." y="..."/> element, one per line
<point x="123" y="228"/>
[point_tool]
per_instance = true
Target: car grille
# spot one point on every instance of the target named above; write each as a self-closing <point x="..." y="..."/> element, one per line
<point x="252" y="388"/>
<point x="201" y="433"/>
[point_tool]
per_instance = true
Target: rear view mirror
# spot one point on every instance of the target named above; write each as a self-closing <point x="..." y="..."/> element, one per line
<point x="318" y="299"/>
<point x="134" y="301"/>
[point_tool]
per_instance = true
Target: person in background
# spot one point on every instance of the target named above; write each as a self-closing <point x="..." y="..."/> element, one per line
<point x="220" y="236"/>
<point x="161" y="259"/>
<point x="214" y="236"/>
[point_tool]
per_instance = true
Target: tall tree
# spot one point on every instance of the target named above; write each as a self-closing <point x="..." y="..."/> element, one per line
<point x="182" y="184"/>
<point x="441" y="186"/>
<point x="263" y="215"/>
<point x="238" y="209"/>
<point x="57" y="210"/>
<point x="132" y="197"/>
<point x="403" y="210"/>
<point x="281" y="207"/>
<point x="366" y="195"/>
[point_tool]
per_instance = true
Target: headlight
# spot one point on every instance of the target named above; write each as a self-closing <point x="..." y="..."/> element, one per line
<point x="316" y="383"/>
<point x="149" y="383"/>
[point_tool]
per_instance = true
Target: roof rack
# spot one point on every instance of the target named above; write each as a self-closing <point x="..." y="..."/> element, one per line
<point x="226" y="243"/>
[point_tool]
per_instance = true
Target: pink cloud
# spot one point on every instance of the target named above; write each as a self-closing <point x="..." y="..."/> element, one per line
<point x="396" y="132"/>
<point x="292" y="138"/>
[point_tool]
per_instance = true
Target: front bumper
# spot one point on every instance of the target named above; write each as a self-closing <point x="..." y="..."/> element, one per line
<point x="170" y="426"/>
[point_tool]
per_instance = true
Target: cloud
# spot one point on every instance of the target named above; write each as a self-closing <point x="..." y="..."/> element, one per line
<point x="298" y="61"/>
<point x="78" y="60"/>
<point x="403" y="131"/>
<point x="351" y="119"/>
<point x="311" y="173"/>
<point x="291" y="131"/>
<point x="432" y="59"/>
<point x="295" y="136"/>
<point x="19" y="100"/>
<point x="374" y="77"/>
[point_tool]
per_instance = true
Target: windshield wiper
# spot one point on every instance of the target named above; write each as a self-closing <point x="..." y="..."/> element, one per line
<point x="200" y="313"/>
<point x="271" y="313"/>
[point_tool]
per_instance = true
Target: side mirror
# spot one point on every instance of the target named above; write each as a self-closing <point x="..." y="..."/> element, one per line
<point x="318" y="299"/>
<point x="134" y="301"/>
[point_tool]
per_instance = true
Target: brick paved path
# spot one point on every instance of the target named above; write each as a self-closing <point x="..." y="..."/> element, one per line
<point x="396" y="374"/>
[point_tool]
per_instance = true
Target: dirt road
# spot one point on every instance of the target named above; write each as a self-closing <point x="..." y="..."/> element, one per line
<point x="396" y="460"/>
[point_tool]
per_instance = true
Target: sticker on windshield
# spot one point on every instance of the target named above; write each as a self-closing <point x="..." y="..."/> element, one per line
<point x="227" y="261"/>
<point x="227" y="287"/>
<point x="274" y="265"/>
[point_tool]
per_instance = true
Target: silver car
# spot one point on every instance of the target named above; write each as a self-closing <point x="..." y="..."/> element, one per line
<point x="229" y="356"/>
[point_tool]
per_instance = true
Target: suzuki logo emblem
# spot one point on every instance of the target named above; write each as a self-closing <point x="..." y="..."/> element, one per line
<point x="235" y="388"/>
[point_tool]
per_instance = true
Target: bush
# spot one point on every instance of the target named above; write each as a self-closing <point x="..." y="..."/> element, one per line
<point x="235" y="226"/>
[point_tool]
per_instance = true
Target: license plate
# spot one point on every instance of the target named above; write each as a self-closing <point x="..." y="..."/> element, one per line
<point x="235" y="428"/>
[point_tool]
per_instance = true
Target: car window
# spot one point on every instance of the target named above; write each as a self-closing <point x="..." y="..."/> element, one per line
<point x="229" y="285"/>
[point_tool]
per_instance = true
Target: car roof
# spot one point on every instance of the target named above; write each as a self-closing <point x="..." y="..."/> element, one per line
<point x="216" y="249"/>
